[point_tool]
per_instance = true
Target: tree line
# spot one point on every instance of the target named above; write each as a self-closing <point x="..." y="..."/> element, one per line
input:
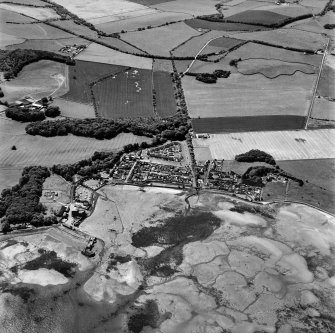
<point x="25" y="114"/>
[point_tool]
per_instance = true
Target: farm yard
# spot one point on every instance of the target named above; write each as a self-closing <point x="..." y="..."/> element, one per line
<point x="127" y="94"/>
<point x="84" y="73"/>
<point x="254" y="95"/>
<point x="101" y="54"/>
<point x="39" y="79"/>
<point x="282" y="145"/>
<point x="150" y="40"/>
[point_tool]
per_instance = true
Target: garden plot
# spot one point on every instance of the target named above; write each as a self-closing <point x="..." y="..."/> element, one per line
<point x="101" y="54"/>
<point x="102" y="11"/>
<point x="159" y="41"/>
<point x="134" y="23"/>
<point x="127" y="94"/>
<point x="303" y="40"/>
<point x="282" y="145"/>
<point x="34" y="12"/>
<point x="273" y="68"/>
<point x="240" y="95"/>
<point x="39" y="79"/>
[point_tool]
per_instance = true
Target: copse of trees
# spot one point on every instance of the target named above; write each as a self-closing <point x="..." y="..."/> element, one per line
<point x="329" y="26"/>
<point x="12" y="62"/>
<point x="24" y="114"/>
<point x="255" y="155"/>
<point x="1" y="93"/>
<point x="52" y="111"/>
<point x="210" y="77"/>
<point x="21" y="203"/>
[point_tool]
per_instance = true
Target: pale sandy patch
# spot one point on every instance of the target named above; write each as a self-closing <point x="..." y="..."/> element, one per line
<point x="245" y="219"/>
<point x="42" y="277"/>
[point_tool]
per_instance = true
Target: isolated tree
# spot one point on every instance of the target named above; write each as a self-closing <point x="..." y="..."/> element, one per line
<point x="13" y="147"/>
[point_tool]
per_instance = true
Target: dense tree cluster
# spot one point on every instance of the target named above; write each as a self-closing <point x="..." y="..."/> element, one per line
<point x="174" y="128"/>
<point x="12" y="62"/>
<point x="329" y="26"/>
<point x="210" y="77"/>
<point x="24" y="114"/>
<point x="234" y="62"/>
<point x="1" y="93"/>
<point x="255" y="155"/>
<point x="21" y="203"/>
<point x="52" y="111"/>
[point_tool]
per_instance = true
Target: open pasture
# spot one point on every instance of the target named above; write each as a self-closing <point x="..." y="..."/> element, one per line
<point x="101" y="11"/>
<point x="203" y="24"/>
<point x="320" y="172"/>
<point x="326" y="87"/>
<point x="39" y="79"/>
<point x="121" y="45"/>
<point x="241" y="95"/>
<point x="225" y="43"/>
<point x="323" y="109"/>
<point x="82" y="74"/>
<point x="247" y="123"/>
<point x="263" y="17"/>
<point x="257" y="51"/>
<point x="27" y="2"/>
<point x="9" y="176"/>
<point x="311" y="25"/>
<point x="132" y="24"/>
<point x="127" y="94"/>
<point x="298" y="39"/>
<point x="282" y="145"/>
<point x="7" y="40"/>
<point x="159" y="41"/>
<point x="74" y="109"/>
<point x="34" y="12"/>
<point x="8" y="16"/>
<point x="101" y="54"/>
<point x="292" y="10"/>
<point x="319" y="4"/>
<point x="37" y="150"/>
<point x="165" y="100"/>
<point x="209" y="67"/>
<point x="194" y="45"/>
<point x="273" y="68"/>
<point x="162" y="65"/>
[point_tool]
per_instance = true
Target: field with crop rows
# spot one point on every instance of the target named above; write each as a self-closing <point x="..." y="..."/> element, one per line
<point x="159" y="41"/>
<point x="166" y="104"/>
<point x="127" y="94"/>
<point x="82" y="74"/>
<point x="282" y="145"/>
<point x="254" y="95"/>
<point x="248" y="123"/>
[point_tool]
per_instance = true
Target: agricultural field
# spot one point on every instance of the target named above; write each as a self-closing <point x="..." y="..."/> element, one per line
<point x="282" y="145"/>
<point x="263" y="17"/>
<point x="133" y="24"/>
<point x="6" y="40"/>
<point x="74" y="109"/>
<point x="252" y="95"/>
<point x="150" y="40"/>
<point x="165" y="100"/>
<point x="207" y="67"/>
<point x="102" y="11"/>
<point x="37" y="13"/>
<point x="162" y="65"/>
<point x="37" y="150"/>
<point x="9" y="176"/>
<point x="39" y="79"/>
<point x="319" y="172"/>
<point x="204" y="25"/>
<point x="326" y="87"/>
<point x="323" y="109"/>
<point x="101" y="54"/>
<point x="273" y="68"/>
<point x="126" y="94"/>
<point x="298" y="39"/>
<point x="225" y="43"/>
<point x="82" y="74"/>
<point x="257" y="51"/>
<point x="314" y="24"/>
<point x="292" y="10"/>
<point x="8" y="16"/>
<point x="27" y="2"/>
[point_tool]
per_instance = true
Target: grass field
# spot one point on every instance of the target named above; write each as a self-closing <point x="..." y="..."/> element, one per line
<point x="312" y="25"/>
<point x="209" y="67"/>
<point x="320" y="172"/>
<point x="256" y="51"/>
<point x="39" y="79"/>
<point x="225" y="43"/>
<point x="101" y="54"/>
<point x="162" y="65"/>
<point x="83" y="73"/>
<point x="159" y="41"/>
<point x="292" y="10"/>
<point x="240" y="95"/>
<point x="36" y="13"/>
<point x="9" y="176"/>
<point x="323" y="109"/>
<point x="127" y="94"/>
<point x="10" y="16"/>
<point x="166" y="104"/>
<point x="202" y="24"/>
<point x="287" y="38"/>
<point x="74" y="109"/>
<point x="37" y="150"/>
<point x="6" y="40"/>
<point x="282" y="145"/>
<point x="247" y="123"/>
<point x="28" y="2"/>
<point x="258" y="17"/>
<point x="274" y="68"/>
